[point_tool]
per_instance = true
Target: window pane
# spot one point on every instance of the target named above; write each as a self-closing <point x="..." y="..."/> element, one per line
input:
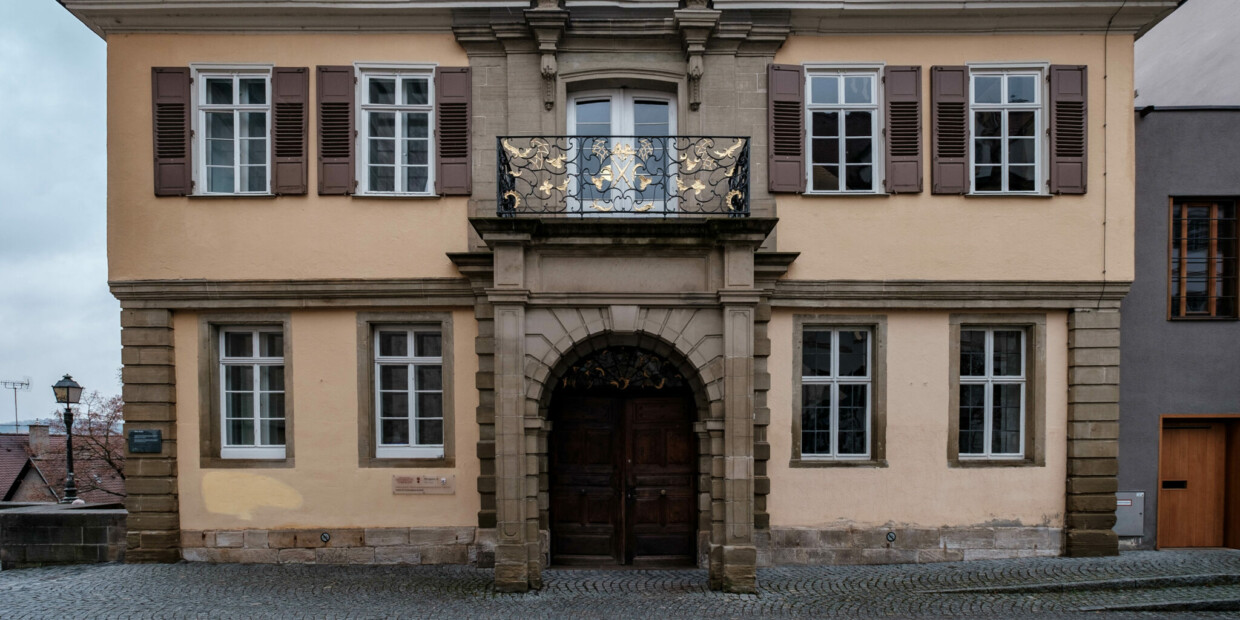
<point x="1005" y="420"/>
<point x="596" y="113"/>
<point x="253" y="124"/>
<point x="238" y="378"/>
<point x="1021" y="150"/>
<point x="416" y="152"/>
<point x="858" y="89"/>
<point x="972" y="419"/>
<point x="238" y="344"/>
<point x="1020" y="179"/>
<point x="239" y="405"/>
<point x="220" y="180"/>
<point x="972" y="353"/>
<point x="394" y="404"/>
<point x="271" y="405"/>
<point x="816" y="417"/>
<point x="430" y="432"/>
<point x="394" y="432"/>
<point x="826" y="124"/>
<point x="816" y="354"/>
<point x="416" y="178"/>
<point x="988" y="124"/>
<point x="1007" y="358"/>
<point x="271" y="344"/>
<point x="987" y="89"/>
<point x="253" y="91"/>
<point x="240" y="433"/>
<point x="429" y="344"/>
<point x="416" y="125"/>
<point x="393" y="344"/>
<point x="219" y="91"/>
<point x="650" y="113"/>
<point x="382" y="91"/>
<point x="826" y="177"/>
<point x="824" y="89"/>
<point x="988" y="151"/>
<point x="382" y="179"/>
<point x="416" y="91"/>
<point x="253" y="151"/>
<point x="1022" y="89"/>
<point x="1022" y="123"/>
<point x="852" y="423"/>
<point x="273" y="432"/>
<point x="858" y="150"/>
<point x="254" y="178"/>
<point x="271" y="378"/>
<point x="393" y="377"/>
<point x="430" y="405"/>
<point x="429" y="378"/>
<point x="988" y="179"/>
<point x="220" y="153"/>
<point x="382" y="152"/>
<point x="826" y="151"/>
<point x="858" y="124"/>
<point x="854" y="350"/>
<point x="382" y="125"/>
<point x="859" y="178"/>
<point x="220" y="125"/>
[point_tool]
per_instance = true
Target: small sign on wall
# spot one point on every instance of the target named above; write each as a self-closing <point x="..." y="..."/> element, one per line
<point x="423" y="485"/>
<point x="146" y="441"/>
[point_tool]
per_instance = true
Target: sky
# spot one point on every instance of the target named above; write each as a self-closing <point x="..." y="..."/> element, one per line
<point x="56" y="314"/>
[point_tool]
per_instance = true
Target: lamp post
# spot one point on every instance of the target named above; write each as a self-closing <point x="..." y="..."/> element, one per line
<point x="68" y="392"/>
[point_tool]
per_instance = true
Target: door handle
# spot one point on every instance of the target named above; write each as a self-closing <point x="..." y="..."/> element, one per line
<point x="663" y="492"/>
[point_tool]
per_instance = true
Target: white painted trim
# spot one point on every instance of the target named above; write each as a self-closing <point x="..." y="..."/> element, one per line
<point x="199" y="73"/>
<point x="835" y="381"/>
<point x="877" y="126"/>
<point x="413" y="449"/>
<point x="362" y="72"/>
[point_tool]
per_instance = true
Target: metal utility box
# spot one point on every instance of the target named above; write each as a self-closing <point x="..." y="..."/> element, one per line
<point x="1130" y="513"/>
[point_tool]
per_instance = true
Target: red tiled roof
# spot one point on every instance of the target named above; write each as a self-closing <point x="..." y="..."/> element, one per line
<point x="87" y="472"/>
<point x="13" y="457"/>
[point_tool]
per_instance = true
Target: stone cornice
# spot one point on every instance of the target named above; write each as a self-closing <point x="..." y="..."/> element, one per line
<point x="948" y="294"/>
<point x="191" y="294"/>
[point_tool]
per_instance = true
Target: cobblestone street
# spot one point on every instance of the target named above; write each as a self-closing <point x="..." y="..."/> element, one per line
<point x="1137" y="584"/>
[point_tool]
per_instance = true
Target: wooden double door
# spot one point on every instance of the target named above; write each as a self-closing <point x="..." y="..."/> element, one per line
<point x="622" y="475"/>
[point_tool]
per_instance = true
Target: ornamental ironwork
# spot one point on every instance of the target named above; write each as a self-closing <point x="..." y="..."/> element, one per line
<point x="601" y="176"/>
<point x="623" y="368"/>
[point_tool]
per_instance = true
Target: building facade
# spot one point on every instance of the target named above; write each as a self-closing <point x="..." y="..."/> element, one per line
<point x="1180" y="398"/>
<point x="637" y="282"/>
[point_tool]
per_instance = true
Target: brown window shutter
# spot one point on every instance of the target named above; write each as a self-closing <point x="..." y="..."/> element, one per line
<point x="453" y="98"/>
<point x="949" y="127"/>
<point x="902" y="97"/>
<point x="1068" y="128"/>
<point x="785" y="88"/>
<point x="170" y="103"/>
<point x="290" y="97"/>
<point x="336" y="130"/>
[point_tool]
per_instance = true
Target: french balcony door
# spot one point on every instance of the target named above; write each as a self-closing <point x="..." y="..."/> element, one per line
<point x="623" y="157"/>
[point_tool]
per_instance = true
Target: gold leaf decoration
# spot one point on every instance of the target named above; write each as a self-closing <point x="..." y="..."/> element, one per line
<point x="731" y="150"/>
<point x="598" y="207"/>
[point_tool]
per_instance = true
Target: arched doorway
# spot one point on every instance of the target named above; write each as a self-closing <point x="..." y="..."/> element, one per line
<point x="623" y="462"/>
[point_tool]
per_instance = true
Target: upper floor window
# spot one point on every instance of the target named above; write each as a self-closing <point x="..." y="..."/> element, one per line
<point x="233" y="128"/>
<point x="1006" y="128"/>
<point x="397" y="112"/>
<point x="842" y="106"/>
<point x="1203" y="278"/>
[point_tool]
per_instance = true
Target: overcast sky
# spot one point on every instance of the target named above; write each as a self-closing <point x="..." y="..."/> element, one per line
<point x="56" y="314"/>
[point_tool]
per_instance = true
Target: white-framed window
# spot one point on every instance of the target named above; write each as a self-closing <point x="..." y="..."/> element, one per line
<point x="409" y="405"/>
<point x="844" y="126"/>
<point x="396" y="130"/>
<point x="232" y="129"/>
<point x="992" y="392"/>
<point x="252" y="392"/>
<point x="836" y="392"/>
<point x="1006" y="125"/>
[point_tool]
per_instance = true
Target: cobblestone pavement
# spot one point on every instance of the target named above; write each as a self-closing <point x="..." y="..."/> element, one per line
<point x="1144" y="584"/>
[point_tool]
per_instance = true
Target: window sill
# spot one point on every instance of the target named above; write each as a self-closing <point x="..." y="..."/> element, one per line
<point x="827" y="463"/>
<point x="1010" y="195"/>
<point x="846" y="194"/>
<point x="1206" y="319"/>
<point x="398" y="196"/>
<point x="231" y="196"/>
<point x="382" y="463"/>
<point x="982" y="463"/>
<point x="215" y="462"/>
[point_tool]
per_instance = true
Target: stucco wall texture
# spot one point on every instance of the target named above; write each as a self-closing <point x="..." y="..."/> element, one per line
<point x="1173" y="367"/>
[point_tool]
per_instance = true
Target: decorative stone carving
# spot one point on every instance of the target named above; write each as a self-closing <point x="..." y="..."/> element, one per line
<point x="623" y="368"/>
<point x="695" y="23"/>
<point x="548" y="22"/>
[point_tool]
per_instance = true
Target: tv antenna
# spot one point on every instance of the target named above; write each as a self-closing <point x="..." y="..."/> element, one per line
<point x="23" y="385"/>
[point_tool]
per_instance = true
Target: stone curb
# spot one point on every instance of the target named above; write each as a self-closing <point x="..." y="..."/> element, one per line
<point x="1174" y="581"/>
<point x="1226" y="604"/>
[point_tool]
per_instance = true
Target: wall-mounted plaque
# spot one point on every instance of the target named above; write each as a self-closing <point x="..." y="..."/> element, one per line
<point x="146" y="441"/>
<point x="404" y="484"/>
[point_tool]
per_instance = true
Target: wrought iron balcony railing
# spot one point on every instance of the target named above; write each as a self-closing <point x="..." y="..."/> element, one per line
<point x="601" y="176"/>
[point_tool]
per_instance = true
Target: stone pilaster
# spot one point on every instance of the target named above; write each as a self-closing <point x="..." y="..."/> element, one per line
<point x="1093" y="431"/>
<point x="149" y="393"/>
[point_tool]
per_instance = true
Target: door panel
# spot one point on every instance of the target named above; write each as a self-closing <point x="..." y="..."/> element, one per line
<point x="622" y="482"/>
<point x="1192" y="469"/>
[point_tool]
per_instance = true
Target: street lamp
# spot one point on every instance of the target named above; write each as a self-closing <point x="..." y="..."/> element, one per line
<point x="68" y="392"/>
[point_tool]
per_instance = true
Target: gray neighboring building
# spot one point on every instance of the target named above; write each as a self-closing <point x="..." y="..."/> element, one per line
<point x="1180" y="397"/>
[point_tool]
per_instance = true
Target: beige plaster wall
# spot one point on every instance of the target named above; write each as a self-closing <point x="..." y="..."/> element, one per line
<point x="326" y="488"/>
<point x="922" y="236"/>
<point x="917" y="487"/>
<point x="264" y="238"/>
